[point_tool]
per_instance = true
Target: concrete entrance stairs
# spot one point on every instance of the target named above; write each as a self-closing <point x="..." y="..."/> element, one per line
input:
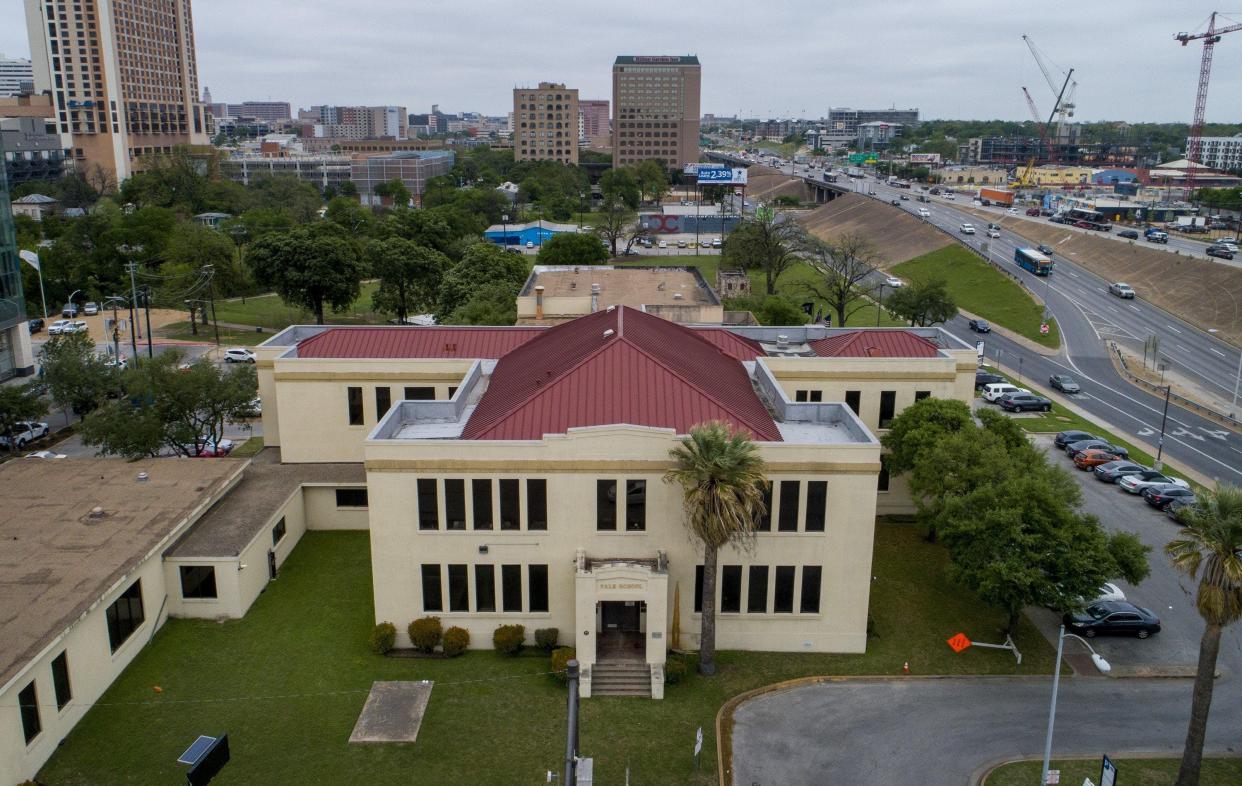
<point x="621" y="678"/>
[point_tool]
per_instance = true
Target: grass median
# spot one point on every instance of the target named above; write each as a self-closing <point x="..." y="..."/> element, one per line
<point x="1132" y="772"/>
<point x="981" y="289"/>
<point x="287" y="683"/>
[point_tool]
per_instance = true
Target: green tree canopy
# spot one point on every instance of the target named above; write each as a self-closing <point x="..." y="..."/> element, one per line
<point x="308" y="269"/>
<point x="409" y="275"/>
<point x="923" y="302"/>
<point x="767" y="242"/>
<point x="568" y="248"/>
<point x="482" y="265"/>
<point x="769" y="309"/>
<point x="494" y="304"/>
<point x="394" y="190"/>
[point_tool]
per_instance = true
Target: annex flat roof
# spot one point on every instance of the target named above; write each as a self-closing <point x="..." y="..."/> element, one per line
<point x="628" y="286"/>
<point x="58" y="560"/>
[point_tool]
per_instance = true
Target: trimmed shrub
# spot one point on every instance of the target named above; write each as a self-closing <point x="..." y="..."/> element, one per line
<point x="674" y="670"/>
<point x="383" y="637"/>
<point x="561" y="656"/>
<point x="455" y="641"/>
<point x="509" y="639"/>
<point x="545" y="638"/>
<point x="426" y="633"/>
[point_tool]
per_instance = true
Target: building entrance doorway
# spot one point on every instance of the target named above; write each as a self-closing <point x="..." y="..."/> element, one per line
<point x="621" y="634"/>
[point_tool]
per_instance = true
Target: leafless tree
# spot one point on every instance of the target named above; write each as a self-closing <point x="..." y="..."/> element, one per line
<point x="843" y="264"/>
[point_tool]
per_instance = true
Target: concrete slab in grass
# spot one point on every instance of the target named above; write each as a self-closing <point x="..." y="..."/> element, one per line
<point x="393" y="712"/>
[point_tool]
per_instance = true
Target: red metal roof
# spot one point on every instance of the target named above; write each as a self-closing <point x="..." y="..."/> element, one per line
<point x="875" y="344"/>
<point x="417" y="342"/>
<point x="737" y="347"/>
<point x="646" y="372"/>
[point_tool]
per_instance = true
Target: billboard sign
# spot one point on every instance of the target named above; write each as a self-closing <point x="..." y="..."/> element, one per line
<point x="924" y="158"/>
<point x="722" y="175"/>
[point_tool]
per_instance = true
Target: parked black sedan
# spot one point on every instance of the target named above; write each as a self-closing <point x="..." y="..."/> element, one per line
<point x="1128" y="234"/>
<point x="1114" y="471"/>
<point x="1115" y="618"/>
<point x="986" y="378"/>
<point x="1066" y="438"/>
<point x="1074" y="448"/>
<point x="1064" y="383"/>
<point x="1159" y="497"/>
<point x="980" y="326"/>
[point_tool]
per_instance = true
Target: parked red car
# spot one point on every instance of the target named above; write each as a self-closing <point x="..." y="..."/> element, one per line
<point x="1032" y="211"/>
<point x="1092" y="458"/>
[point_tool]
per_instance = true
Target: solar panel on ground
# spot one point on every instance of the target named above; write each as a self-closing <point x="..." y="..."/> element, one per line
<point x="196" y="750"/>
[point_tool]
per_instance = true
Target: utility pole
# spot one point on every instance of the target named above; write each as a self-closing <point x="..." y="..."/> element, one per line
<point x="1158" y="465"/>
<point x="146" y="304"/>
<point x="211" y="294"/>
<point x="116" y="327"/>
<point x="132" y="267"/>
<point x="571" y="737"/>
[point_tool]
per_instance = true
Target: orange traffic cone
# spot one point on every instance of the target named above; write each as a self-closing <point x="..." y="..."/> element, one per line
<point x="905" y="668"/>
<point x="158" y="689"/>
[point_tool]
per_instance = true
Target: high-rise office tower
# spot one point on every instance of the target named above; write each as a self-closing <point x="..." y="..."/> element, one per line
<point x="122" y="74"/>
<point x="545" y="123"/>
<point x="656" y="109"/>
<point x="16" y="76"/>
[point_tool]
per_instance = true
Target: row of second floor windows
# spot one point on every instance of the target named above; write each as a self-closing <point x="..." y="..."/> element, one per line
<point x="383" y="400"/>
<point x="487" y="595"/>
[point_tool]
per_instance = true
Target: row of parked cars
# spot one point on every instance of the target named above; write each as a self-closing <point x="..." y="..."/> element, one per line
<point x="1009" y="397"/>
<point x="1111" y="464"/>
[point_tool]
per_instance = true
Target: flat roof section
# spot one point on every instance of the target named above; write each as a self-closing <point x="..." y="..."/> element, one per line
<point x="58" y="559"/>
<point x="624" y="286"/>
<point x="225" y="529"/>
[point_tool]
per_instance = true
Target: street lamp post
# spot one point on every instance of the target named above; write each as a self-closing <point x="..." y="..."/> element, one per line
<point x="504" y="226"/>
<point x="1164" y="419"/>
<point x="1100" y="664"/>
<point x="879" y="306"/>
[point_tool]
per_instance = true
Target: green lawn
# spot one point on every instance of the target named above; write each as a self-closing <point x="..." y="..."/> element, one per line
<point x="981" y="289"/>
<point x="248" y="448"/>
<point x="1131" y="772"/>
<point x="270" y="311"/>
<point x="206" y="335"/>
<point x="288" y="681"/>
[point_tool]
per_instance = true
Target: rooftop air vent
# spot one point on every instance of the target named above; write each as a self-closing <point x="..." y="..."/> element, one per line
<point x="782" y="342"/>
<point x="611" y="308"/>
<point x="609" y="333"/>
<point x="143" y="477"/>
<point x="677" y="296"/>
<point x="96" y="513"/>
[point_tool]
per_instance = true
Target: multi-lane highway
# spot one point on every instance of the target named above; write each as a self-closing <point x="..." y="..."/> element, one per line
<point x="1088" y="316"/>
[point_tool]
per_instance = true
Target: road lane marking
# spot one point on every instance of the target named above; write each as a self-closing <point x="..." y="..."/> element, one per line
<point x="1175" y="330"/>
<point x="1136" y="308"/>
<point x="1179" y="346"/>
<point x="1217" y="351"/>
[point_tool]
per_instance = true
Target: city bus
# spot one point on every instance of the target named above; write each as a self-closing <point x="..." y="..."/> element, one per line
<point x="1032" y="260"/>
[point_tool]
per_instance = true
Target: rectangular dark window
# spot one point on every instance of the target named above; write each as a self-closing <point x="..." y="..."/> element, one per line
<point x="810" y="589"/>
<point x="919" y="395"/>
<point x="538" y="589"/>
<point x="354" y="396"/>
<point x="800" y="395"/>
<point x="454" y="503"/>
<point x="198" y="581"/>
<point x="484" y="587"/>
<point x="787" y="520"/>
<point x="731" y="589"/>
<point x="351" y="498"/>
<point x="481" y="496"/>
<point x="383" y="400"/>
<point x="783" y="603"/>
<point x="635" y="505"/>
<point x="606" y="504"/>
<point x="809" y="395"/>
<point x="853" y="400"/>
<point x="428" y="504"/>
<point x="817" y="396"/>
<point x="765" y="520"/>
<point x="125" y="615"/>
<point x="433" y="596"/>
<point x="511" y="587"/>
<point x="816" y="505"/>
<point x="537" y="504"/>
<point x="698" y="588"/>
<point x="452" y="391"/>
<point x="28" y="700"/>
<point x="420" y="394"/>
<point x="459" y="587"/>
<point x="278" y="531"/>
<point x="510" y="504"/>
<point x="757" y="590"/>
<point x="888" y="407"/>
<point x="883" y="478"/>
<point x="60" y="680"/>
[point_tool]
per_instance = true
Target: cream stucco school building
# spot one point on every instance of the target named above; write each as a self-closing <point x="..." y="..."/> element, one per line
<point x="514" y="475"/>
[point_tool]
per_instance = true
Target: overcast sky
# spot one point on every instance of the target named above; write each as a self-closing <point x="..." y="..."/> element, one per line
<point x="949" y="58"/>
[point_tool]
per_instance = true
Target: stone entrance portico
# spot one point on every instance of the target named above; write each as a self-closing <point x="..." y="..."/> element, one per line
<point x="621" y="614"/>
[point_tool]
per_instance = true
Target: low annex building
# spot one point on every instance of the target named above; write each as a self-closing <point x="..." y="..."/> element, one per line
<point x="558" y="293"/>
<point x="515" y="475"/>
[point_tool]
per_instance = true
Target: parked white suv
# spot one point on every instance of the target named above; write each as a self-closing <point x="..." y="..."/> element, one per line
<point x="993" y="392"/>
<point x="924" y="212"/>
<point x="238" y="355"/>
<point x="966" y="229"/>
<point x="24" y="433"/>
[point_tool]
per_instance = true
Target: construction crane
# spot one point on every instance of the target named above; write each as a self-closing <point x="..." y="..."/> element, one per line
<point x="1210" y="38"/>
<point x="1066" y="109"/>
<point x="1025" y="178"/>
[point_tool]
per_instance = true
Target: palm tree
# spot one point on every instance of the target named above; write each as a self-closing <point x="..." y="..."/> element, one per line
<point x="722" y="476"/>
<point x="1209" y="547"/>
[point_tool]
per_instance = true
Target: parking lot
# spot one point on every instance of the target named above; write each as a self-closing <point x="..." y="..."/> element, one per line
<point x="1171" y="595"/>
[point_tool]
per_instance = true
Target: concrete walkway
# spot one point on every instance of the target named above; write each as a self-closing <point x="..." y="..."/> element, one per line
<point x="943" y="732"/>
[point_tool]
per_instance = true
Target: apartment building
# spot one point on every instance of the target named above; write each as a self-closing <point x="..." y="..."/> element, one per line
<point x="596" y="127"/>
<point x="273" y="112"/>
<point x="514" y="475"/>
<point x="545" y="120"/>
<point x="123" y="75"/>
<point x="358" y="122"/>
<point x="16" y="76"/>
<point x="656" y="109"/>
<point x="1223" y="153"/>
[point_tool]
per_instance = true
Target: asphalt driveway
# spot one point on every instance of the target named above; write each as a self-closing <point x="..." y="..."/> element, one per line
<point x="940" y="732"/>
